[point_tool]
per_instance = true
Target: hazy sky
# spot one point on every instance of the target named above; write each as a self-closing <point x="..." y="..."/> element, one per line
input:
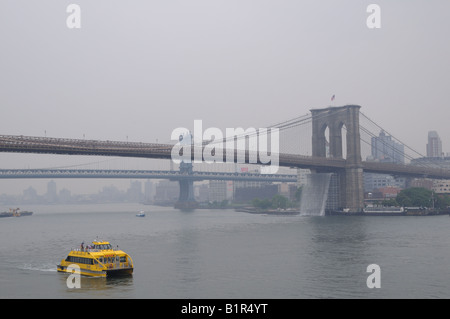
<point x="138" y="69"/>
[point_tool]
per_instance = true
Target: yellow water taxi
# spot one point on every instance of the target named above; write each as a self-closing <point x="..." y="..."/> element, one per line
<point x="98" y="260"/>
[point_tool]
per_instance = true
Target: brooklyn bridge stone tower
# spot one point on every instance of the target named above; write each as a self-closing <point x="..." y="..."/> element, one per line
<point x="351" y="178"/>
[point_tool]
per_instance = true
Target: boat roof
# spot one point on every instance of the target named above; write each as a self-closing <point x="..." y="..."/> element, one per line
<point x="100" y="242"/>
<point x="97" y="253"/>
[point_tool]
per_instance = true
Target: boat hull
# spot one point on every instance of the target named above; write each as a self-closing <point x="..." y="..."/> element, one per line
<point x="97" y="273"/>
<point x="17" y="214"/>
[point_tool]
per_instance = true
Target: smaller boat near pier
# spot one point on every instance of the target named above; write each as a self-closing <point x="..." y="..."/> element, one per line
<point x="15" y="212"/>
<point x="140" y="214"/>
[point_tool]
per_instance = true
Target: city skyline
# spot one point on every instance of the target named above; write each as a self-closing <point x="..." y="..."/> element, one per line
<point x="56" y="189"/>
<point x="159" y="192"/>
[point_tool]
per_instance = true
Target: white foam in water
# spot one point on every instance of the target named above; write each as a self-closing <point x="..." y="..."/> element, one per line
<point x="38" y="268"/>
<point x="315" y="194"/>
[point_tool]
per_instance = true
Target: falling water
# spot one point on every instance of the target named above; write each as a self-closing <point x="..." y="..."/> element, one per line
<point x="315" y="194"/>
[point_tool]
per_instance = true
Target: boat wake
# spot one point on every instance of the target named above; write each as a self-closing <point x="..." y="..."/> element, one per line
<point x="42" y="268"/>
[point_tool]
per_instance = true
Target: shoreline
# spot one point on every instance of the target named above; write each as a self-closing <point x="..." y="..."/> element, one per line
<point x="252" y="210"/>
<point x="410" y="212"/>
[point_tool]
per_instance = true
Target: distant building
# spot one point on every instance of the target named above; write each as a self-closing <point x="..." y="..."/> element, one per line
<point x="441" y="186"/>
<point x="438" y="186"/>
<point x="247" y="194"/>
<point x="30" y="195"/>
<point x="385" y="150"/>
<point x="287" y="190"/>
<point x="65" y="196"/>
<point x="109" y="194"/>
<point x="387" y="192"/>
<point x="148" y="191"/>
<point x="220" y="190"/>
<point x="373" y="181"/>
<point x="51" y="196"/>
<point x="302" y="176"/>
<point x="422" y="182"/>
<point x="434" y="145"/>
<point x="167" y="192"/>
<point x="134" y="193"/>
<point x="202" y="192"/>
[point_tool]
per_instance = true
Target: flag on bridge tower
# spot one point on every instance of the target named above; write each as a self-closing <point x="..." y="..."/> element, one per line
<point x="332" y="98"/>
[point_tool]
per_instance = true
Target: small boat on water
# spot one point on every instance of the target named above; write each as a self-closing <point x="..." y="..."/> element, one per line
<point x="98" y="260"/>
<point x="140" y="214"/>
<point x="15" y="212"/>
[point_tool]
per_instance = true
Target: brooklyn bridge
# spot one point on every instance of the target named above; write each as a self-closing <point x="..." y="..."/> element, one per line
<point x="334" y="142"/>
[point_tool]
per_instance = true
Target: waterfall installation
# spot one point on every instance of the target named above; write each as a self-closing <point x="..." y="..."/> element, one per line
<point x="315" y="194"/>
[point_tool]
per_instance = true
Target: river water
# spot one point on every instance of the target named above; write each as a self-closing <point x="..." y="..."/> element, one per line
<point x="227" y="254"/>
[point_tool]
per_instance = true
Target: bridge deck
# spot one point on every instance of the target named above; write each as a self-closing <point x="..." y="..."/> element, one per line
<point x="145" y="174"/>
<point x="45" y="145"/>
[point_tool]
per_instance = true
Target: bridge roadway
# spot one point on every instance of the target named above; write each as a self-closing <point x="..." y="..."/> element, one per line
<point x="45" y="145"/>
<point x="144" y="174"/>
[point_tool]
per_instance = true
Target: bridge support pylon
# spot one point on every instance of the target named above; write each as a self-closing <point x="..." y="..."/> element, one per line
<point x="351" y="178"/>
<point x="186" y="200"/>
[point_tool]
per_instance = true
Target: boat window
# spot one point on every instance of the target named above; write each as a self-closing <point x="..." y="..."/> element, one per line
<point x="80" y="260"/>
<point x="123" y="259"/>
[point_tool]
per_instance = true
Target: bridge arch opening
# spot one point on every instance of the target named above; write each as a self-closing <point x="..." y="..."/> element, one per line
<point x="334" y="140"/>
<point x="343" y="132"/>
<point x="326" y="141"/>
